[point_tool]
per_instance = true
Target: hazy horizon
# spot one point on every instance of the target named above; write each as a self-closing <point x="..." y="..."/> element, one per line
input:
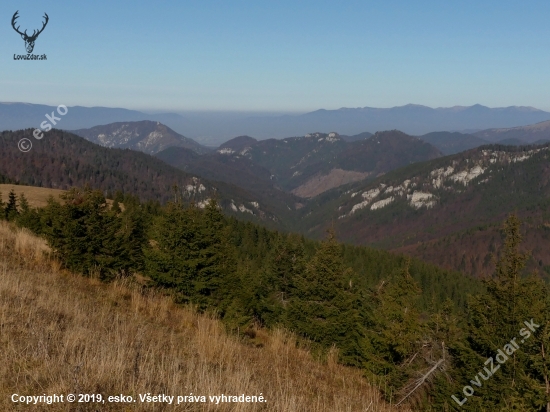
<point x="270" y="112"/>
<point x="283" y="57"/>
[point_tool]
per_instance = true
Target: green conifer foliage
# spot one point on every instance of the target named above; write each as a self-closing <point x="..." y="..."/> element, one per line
<point x="324" y="308"/>
<point x="115" y="208"/>
<point x="190" y="251"/>
<point x="395" y="333"/>
<point x="2" y="208"/>
<point x="28" y="217"/>
<point x="498" y="316"/>
<point x="269" y="293"/>
<point x="23" y="203"/>
<point x="171" y="258"/>
<point x="10" y="211"/>
<point x="89" y="238"/>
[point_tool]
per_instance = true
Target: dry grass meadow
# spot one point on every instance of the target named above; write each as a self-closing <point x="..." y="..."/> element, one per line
<point x="36" y="196"/>
<point x="61" y="333"/>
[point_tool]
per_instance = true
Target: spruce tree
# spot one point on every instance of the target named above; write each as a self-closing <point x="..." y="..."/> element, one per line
<point x="10" y="211"/>
<point x="28" y="217"/>
<point x="23" y="203"/>
<point x="116" y="207"/>
<point x="271" y="290"/>
<point x="395" y="331"/>
<point x="2" y="208"/>
<point x="170" y="258"/>
<point x="82" y="233"/>
<point x="325" y="307"/>
<point x="217" y="282"/>
<point x="497" y="326"/>
<point x="191" y="252"/>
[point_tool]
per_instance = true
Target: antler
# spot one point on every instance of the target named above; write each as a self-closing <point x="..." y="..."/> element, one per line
<point x="13" y="19"/>
<point x="34" y="34"/>
<point x="45" y="23"/>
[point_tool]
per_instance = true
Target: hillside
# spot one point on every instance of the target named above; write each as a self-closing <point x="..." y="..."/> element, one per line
<point x="251" y="276"/>
<point x="239" y="171"/>
<point x="431" y="201"/>
<point x="473" y="250"/>
<point x="63" y="333"/>
<point x="360" y="301"/>
<point x="526" y="134"/>
<point x="36" y="196"/>
<point x="371" y="157"/>
<point x="317" y="162"/>
<point x="354" y="138"/>
<point x="178" y="157"/>
<point x="451" y="143"/>
<point x="62" y="160"/>
<point x="145" y="136"/>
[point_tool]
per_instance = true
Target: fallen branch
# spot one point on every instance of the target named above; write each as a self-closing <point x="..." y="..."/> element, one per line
<point x="421" y="380"/>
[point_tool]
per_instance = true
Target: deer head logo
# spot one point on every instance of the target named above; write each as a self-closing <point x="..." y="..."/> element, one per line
<point x="29" y="40"/>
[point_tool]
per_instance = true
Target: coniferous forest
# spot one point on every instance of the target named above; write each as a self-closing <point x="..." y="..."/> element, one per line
<point x="434" y="339"/>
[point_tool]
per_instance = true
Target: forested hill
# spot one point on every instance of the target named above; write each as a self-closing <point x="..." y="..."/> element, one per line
<point x="311" y="164"/>
<point x="422" y="208"/>
<point x="63" y="160"/>
<point x="396" y="318"/>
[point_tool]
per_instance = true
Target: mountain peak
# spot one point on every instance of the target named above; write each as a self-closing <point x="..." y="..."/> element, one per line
<point x="145" y="135"/>
<point x="329" y="137"/>
<point x="238" y="143"/>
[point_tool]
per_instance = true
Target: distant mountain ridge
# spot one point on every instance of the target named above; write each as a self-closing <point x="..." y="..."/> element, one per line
<point x="527" y="134"/>
<point x="146" y="136"/>
<point x="212" y="129"/>
<point x="411" y="119"/>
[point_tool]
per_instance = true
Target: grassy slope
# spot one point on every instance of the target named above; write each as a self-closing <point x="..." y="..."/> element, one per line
<point x="36" y="196"/>
<point x="61" y="333"/>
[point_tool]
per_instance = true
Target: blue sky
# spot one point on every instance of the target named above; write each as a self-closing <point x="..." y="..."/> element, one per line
<point x="279" y="56"/>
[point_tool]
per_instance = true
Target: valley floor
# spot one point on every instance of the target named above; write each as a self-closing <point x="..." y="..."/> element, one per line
<point x="61" y="333"/>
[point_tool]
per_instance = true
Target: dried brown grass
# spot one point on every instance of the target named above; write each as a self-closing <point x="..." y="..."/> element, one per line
<point x="36" y="196"/>
<point x="61" y="333"/>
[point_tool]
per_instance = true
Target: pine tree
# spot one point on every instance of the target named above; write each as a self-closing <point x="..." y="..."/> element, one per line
<point x="191" y="252"/>
<point x="10" y="211"/>
<point x="23" y="203"/>
<point x="495" y="321"/>
<point x="395" y="332"/>
<point x="324" y="307"/>
<point x="216" y="261"/>
<point x="2" y="208"/>
<point x="115" y="208"/>
<point x="28" y="217"/>
<point x="270" y="291"/>
<point x="82" y="233"/>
